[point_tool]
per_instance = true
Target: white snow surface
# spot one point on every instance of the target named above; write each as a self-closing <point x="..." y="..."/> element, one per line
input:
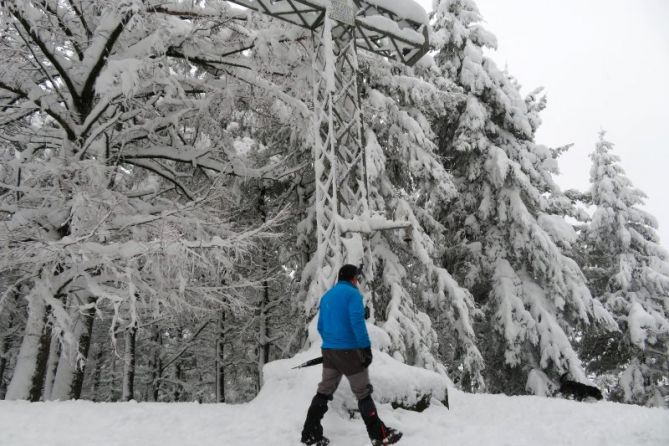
<point x="558" y="228"/>
<point x="276" y="416"/>
<point x="408" y="9"/>
<point x="389" y="26"/>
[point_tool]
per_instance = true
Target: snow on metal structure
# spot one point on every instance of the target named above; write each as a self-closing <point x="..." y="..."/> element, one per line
<point x="396" y="29"/>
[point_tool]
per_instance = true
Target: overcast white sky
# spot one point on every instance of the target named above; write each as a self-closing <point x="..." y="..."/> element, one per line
<point x="605" y="66"/>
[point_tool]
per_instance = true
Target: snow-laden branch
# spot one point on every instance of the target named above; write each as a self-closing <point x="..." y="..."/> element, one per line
<point x="82" y="19"/>
<point x="369" y="224"/>
<point x="217" y="11"/>
<point x="163" y="172"/>
<point x="189" y="343"/>
<point x="198" y="158"/>
<point x="66" y="25"/>
<point x="28" y="17"/>
<point x="274" y="90"/>
<point x="105" y="37"/>
<point x="21" y="85"/>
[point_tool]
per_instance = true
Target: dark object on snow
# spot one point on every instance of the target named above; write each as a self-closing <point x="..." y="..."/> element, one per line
<point x="378" y="432"/>
<point x="578" y="390"/>
<point x="422" y="403"/>
<point x="419" y="406"/>
<point x="312" y="433"/>
<point x="309" y="363"/>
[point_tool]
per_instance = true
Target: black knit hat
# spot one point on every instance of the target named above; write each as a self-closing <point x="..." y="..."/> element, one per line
<point x="348" y="272"/>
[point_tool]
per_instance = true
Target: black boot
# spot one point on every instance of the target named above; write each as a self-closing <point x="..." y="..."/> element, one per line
<point x="312" y="433"/>
<point x="379" y="433"/>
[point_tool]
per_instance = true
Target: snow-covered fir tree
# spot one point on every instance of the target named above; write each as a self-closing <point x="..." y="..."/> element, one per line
<point x="505" y="228"/>
<point x="407" y="182"/>
<point x="628" y="271"/>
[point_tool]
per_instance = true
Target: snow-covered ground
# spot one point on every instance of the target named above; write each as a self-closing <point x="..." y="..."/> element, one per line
<point x="275" y="417"/>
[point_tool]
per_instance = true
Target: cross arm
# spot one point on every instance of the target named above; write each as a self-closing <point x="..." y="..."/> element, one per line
<point x="382" y="26"/>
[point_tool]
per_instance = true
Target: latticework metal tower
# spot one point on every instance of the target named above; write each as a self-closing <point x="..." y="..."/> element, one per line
<point x="395" y="29"/>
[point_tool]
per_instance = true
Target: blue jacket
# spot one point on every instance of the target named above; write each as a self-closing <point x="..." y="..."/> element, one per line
<point x="341" y="322"/>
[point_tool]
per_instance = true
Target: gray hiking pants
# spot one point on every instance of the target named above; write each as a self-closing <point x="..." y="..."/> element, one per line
<point x="338" y="363"/>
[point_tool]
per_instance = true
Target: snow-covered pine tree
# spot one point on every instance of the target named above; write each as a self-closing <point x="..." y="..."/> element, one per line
<point x="407" y="182"/>
<point x="629" y="272"/>
<point x="504" y="239"/>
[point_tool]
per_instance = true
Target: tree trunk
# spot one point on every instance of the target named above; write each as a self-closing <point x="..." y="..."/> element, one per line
<point x="4" y="348"/>
<point x="263" y="328"/>
<point x="220" y="360"/>
<point x="51" y="367"/>
<point x="129" y="364"/>
<point x="71" y="366"/>
<point x="5" y="345"/>
<point x="113" y="391"/>
<point x="28" y="379"/>
<point x="88" y="317"/>
<point x="263" y="334"/>
<point x="97" y="373"/>
<point x="156" y="365"/>
<point x="178" y="379"/>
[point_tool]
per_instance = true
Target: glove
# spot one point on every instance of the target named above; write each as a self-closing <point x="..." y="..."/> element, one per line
<point x="366" y="354"/>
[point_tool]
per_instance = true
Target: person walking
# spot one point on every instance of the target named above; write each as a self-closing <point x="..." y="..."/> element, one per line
<point x="346" y="351"/>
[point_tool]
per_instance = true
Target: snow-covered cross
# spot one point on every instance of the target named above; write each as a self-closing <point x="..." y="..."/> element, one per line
<point x="395" y="29"/>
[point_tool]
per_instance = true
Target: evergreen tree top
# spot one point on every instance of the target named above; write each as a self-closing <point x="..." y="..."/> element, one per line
<point x="610" y="185"/>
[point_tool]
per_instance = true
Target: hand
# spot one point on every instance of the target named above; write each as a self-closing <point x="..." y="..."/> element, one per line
<point x="366" y="354"/>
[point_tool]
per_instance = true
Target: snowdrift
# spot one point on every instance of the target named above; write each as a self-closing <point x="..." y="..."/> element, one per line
<point x="275" y="417"/>
<point x="394" y="383"/>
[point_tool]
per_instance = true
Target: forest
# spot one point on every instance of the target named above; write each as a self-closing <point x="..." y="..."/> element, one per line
<point x="158" y="213"/>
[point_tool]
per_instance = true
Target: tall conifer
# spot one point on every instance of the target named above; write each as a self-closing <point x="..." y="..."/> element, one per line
<point x="507" y="225"/>
<point x="629" y="272"/>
